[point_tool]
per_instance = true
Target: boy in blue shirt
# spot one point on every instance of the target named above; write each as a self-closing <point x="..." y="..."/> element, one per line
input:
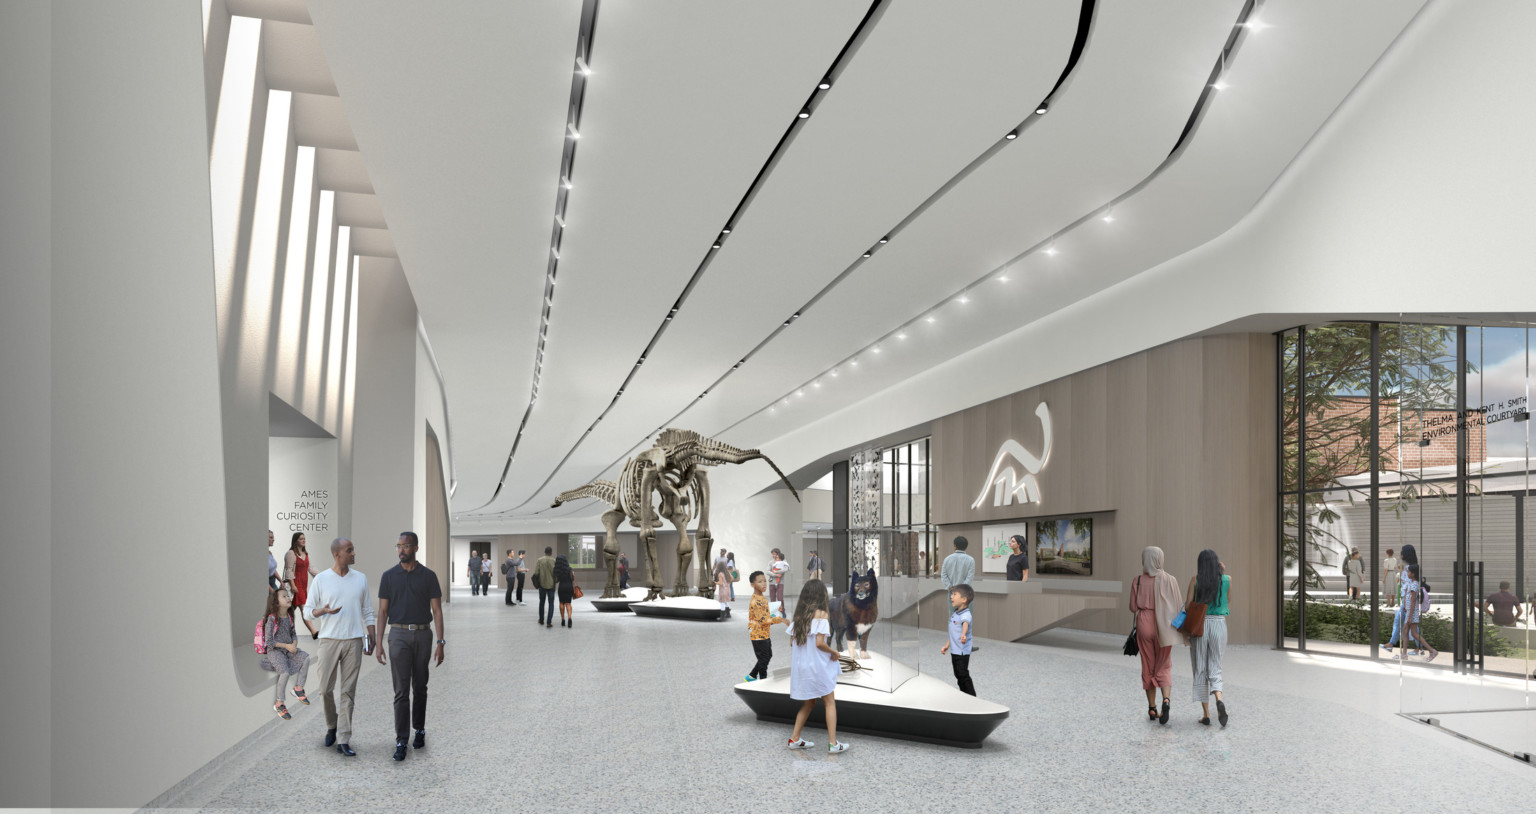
<point x="959" y="645"/>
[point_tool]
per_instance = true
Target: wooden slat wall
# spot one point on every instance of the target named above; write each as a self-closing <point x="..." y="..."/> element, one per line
<point x="1171" y="447"/>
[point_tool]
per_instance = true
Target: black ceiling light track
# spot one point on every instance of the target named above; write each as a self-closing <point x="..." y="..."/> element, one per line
<point x="823" y="86"/>
<point x="1036" y="108"/>
<point x="581" y="69"/>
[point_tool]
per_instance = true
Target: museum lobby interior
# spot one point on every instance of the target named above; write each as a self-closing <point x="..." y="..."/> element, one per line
<point x="849" y="280"/>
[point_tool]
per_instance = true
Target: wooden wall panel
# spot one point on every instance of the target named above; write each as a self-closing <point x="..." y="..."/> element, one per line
<point x="1175" y="443"/>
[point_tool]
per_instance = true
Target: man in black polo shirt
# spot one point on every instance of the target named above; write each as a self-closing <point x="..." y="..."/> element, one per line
<point x="409" y="600"/>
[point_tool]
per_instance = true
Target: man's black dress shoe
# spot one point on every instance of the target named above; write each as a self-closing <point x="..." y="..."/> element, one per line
<point x="345" y="749"/>
<point x="421" y="738"/>
<point x="400" y="750"/>
<point x="330" y="737"/>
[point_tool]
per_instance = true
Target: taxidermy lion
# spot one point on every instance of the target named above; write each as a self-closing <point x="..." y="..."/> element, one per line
<point x="855" y="612"/>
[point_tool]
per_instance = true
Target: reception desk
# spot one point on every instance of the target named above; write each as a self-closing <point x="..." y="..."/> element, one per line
<point x="1010" y="611"/>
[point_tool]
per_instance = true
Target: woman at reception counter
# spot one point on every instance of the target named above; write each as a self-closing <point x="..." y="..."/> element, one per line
<point x="1018" y="561"/>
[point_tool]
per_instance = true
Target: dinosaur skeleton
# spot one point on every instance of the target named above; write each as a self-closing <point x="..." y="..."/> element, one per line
<point x="674" y="471"/>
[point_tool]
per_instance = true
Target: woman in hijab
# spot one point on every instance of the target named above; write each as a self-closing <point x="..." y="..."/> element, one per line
<point x="1156" y="599"/>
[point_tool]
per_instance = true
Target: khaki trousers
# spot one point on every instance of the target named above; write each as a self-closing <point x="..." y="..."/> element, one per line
<point x="339" y="661"/>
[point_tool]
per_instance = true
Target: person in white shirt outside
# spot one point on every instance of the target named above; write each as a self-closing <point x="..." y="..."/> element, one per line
<point x="339" y="602"/>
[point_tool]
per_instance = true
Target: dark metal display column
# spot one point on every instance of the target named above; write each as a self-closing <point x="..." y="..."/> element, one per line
<point x="1460" y="642"/>
<point x="1375" y="497"/>
<point x="839" y="553"/>
<point x="1301" y="488"/>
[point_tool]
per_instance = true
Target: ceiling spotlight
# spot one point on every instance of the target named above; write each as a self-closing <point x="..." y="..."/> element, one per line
<point x="555" y="250"/>
<point x="1040" y="111"/>
<point x="1108" y="216"/>
<point x="816" y="383"/>
<point x="962" y="299"/>
<point x="581" y="67"/>
<point x="772" y="410"/>
<point x="1012" y="134"/>
<point x="834" y="372"/>
<point x="805" y="113"/>
<point x="799" y="392"/>
<point x="826" y="84"/>
<point x="571" y="128"/>
<point x="902" y="335"/>
<point x="560" y="220"/>
<point x="725" y="231"/>
<point x="866" y="254"/>
<point x="886" y="239"/>
<point x="716" y="246"/>
<point x="875" y="349"/>
<point x="565" y="182"/>
<point x="931" y="319"/>
<point x="1219" y="85"/>
<point x="1002" y="278"/>
<point x="786" y="402"/>
<point x="853" y="362"/>
<point x="1256" y="25"/>
<point x="1050" y="248"/>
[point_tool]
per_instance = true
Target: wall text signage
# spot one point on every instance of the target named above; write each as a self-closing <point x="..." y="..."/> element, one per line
<point x="1005" y="482"/>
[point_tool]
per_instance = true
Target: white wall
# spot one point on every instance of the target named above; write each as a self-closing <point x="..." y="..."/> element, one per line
<point x="26" y="467"/>
<point x="429" y="412"/>
<point x="301" y="493"/>
<point x="752" y="527"/>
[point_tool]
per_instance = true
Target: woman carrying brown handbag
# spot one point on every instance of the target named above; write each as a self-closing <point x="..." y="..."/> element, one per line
<point x="1212" y="589"/>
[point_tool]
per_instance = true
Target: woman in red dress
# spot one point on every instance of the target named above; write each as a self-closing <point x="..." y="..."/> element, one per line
<point x="297" y="570"/>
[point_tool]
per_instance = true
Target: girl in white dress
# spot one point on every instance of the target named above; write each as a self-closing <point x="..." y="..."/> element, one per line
<point x="813" y="665"/>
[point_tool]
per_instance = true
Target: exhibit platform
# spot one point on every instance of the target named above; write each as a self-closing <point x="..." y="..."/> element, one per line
<point x="923" y="708"/>
<point x="620" y="604"/>
<point x="680" y="607"/>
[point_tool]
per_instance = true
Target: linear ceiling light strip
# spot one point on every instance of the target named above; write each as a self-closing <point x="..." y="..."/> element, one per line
<point x="829" y="78"/>
<point x="1239" y="29"/>
<point x="1079" y="44"/>
<point x="581" y="71"/>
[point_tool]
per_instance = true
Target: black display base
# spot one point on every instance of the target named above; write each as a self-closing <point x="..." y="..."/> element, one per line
<point x="942" y="724"/>
<point x="667" y="610"/>
<point x="618" y="605"/>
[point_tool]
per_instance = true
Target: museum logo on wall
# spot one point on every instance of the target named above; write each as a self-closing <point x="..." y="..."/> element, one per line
<point x="1005" y="482"/>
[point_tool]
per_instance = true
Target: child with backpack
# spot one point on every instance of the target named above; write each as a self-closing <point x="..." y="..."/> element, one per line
<point x="1416" y="594"/>
<point x="276" y="641"/>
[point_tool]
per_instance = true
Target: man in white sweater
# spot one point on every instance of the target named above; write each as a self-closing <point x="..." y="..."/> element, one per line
<point x="339" y="603"/>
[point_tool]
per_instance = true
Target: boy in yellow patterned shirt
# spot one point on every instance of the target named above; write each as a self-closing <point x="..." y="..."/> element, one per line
<point x="758" y="625"/>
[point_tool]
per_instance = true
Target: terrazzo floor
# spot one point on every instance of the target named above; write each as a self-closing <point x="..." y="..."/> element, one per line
<point x="630" y="714"/>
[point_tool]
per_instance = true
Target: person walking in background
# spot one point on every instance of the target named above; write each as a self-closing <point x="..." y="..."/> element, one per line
<point x="813" y="567"/>
<point x="1018" y="561"/>
<point x="283" y="655"/>
<point x="565" y="588"/>
<point x="623" y="572"/>
<point x="1155" y="599"/>
<point x="1410" y="557"/>
<point x="473" y="572"/>
<point x="813" y="665"/>
<point x="1391" y="567"/>
<point x="730" y="567"/>
<point x="339" y="600"/>
<point x="522" y="573"/>
<point x="486" y="579"/>
<point x="410" y="602"/>
<point x="959" y="568"/>
<point x="1354" y="574"/>
<point x="273" y="583"/>
<point x="297" y="569"/>
<point x="759" y="625"/>
<point x="776" y="573"/>
<point x="721" y="565"/>
<point x="1503" y="606"/>
<point x="959" y="645"/>
<point x="509" y="574"/>
<point x="544" y="581"/>
<point x="1414" y="594"/>
<point x="1212" y="588"/>
<point x="722" y="587"/>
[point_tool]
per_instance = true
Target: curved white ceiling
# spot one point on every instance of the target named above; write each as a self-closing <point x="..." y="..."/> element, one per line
<point x="461" y="119"/>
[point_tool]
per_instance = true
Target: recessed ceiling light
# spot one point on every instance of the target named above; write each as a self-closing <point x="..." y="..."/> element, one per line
<point x="1002" y="278"/>
<point x="901" y="335"/>
<point x="1256" y="25"/>
<point x="1108" y="216"/>
<point x="1012" y="134"/>
<point x="786" y="402"/>
<point x="1219" y="85"/>
<point x="1040" y="111"/>
<point x="962" y="299"/>
<point x="930" y="319"/>
<point x="1050" y="249"/>
<point x="805" y="113"/>
<point x="834" y="372"/>
<point x="875" y="349"/>
<point x="853" y="362"/>
<point x="816" y="383"/>
<point x="799" y="392"/>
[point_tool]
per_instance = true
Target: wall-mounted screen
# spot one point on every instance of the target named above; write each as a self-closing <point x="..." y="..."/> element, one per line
<point x="1064" y="546"/>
